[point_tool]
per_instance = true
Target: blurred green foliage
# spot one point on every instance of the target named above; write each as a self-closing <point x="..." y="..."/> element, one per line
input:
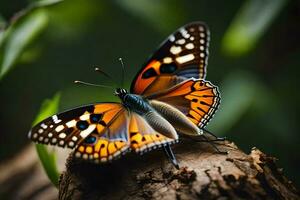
<point x="53" y="44"/>
<point x="250" y="23"/>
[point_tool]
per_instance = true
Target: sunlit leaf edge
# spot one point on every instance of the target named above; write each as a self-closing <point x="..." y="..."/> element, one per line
<point x="48" y="159"/>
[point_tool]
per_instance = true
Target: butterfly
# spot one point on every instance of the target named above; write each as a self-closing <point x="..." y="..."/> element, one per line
<point x="168" y="96"/>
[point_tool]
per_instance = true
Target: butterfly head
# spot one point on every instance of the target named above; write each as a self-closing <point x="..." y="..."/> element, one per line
<point x="120" y="92"/>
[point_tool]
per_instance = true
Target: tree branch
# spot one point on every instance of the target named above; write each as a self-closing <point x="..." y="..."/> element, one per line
<point x="203" y="174"/>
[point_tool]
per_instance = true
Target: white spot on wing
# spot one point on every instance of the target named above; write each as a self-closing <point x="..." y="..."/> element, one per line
<point x="78" y="154"/>
<point x="189" y="46"/>
<point x="172" y="38"/>
<point x="55" y="119"/>
<point x="44" y="126"/>
<point x="62" y="135"/>
<point x="71" y="144"/>
<point x="167" y="60"/>
<point x="54" y="140"/>
<point x="59" y="128"/>
<point x="181" y="41"/>
<point x="87" y="131"/>
<point x="184" y="33"/>
<point x="71" y="123"/>
<point x="84" y="117"/>
<point x="185" y="58"/>
<point x="85" y="156"/>
<point x="175" y="50"/>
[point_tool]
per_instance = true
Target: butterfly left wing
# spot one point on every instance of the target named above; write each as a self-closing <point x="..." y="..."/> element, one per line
<point x="101" y="128"/>
<point x="197" y="99"/>
<point x="99" y="132"/>
<point x="182" y="56"/>
<point x="141" y="138"/>
<point x="107" y="142"/>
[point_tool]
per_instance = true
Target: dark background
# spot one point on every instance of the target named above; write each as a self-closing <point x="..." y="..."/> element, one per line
<point x="259" y="85"/>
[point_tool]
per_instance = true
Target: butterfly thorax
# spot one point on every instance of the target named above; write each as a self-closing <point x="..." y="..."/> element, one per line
<point x="133" y="102"/>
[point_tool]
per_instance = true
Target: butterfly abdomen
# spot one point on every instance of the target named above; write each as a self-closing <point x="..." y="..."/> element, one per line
<point x="178" y="120"/>
<point x="140" y="106"/>
<point x="160" y="124"/>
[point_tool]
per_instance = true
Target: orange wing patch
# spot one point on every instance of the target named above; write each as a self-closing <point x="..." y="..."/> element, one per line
<point x="204" y="101"/>
<point x="109" y="140"/>
<point x="143" y="137"/>
<point x="100" y="149"/>
<point x="197" y="99"/>
<point x="147" y="76"/>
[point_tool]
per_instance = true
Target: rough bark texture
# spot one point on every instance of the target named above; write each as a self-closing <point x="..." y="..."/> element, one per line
<point x="203" y="174"/>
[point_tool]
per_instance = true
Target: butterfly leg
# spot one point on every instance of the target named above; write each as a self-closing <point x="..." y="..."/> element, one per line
<point x="171" y="155"/>
<point x="216" y="137"/>
<point x="211" y="142"/>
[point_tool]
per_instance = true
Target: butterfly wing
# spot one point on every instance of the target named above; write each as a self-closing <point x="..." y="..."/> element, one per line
<point x="182" y="56"/>
<point x="140" y="137"/>
<point x="98" y="132"/>
<point x="195" y="98"/>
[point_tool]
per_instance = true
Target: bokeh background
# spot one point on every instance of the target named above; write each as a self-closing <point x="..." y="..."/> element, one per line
<point x="254" y="59"/>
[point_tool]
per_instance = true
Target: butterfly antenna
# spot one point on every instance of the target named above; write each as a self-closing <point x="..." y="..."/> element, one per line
<point x="105" y="74"/>
<point x="91" y="84"/>
<point x="123" y="72"/>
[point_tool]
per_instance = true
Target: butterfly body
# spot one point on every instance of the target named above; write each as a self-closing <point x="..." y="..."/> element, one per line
<point x="133" y="102"/>
<point x="168" y="96"/>
<point x="139" y="105"/>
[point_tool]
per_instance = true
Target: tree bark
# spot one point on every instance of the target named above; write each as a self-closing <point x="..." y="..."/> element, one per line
<point x="203" y="174"/>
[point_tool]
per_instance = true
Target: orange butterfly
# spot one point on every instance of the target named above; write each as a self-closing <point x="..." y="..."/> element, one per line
<point x="168" y="96"/>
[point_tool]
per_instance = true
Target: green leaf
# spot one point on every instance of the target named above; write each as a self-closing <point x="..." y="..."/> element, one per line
<point x="25" y="27"/>
<point x="18" y="36"/>
<point x="48" y="159"/>
<point x="238" y="93"/>
<point x="2" y="27"/>
<point x="251" y="22"/>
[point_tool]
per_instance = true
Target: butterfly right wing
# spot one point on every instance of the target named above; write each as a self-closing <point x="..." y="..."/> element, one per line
<point x="195" y="98"/>
<point x="182" y="56"/>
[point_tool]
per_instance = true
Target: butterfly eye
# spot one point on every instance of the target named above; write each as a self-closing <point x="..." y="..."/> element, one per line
<point x="90" y="140"/>
<point x="94" y="118"/>
<point x="167" y="68"/>
<point x="81" y="125"/>
<point x="149" y="73"/>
